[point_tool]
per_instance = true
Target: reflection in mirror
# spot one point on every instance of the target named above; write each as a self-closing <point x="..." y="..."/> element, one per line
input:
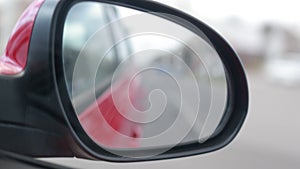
<point x="138" y="81"/>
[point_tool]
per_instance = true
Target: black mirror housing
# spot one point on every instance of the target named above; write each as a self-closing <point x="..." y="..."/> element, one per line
<point x="37" y="117"/>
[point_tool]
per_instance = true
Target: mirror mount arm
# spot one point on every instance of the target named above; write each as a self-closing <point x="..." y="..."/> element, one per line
<point x="26" y="129"/>
<point x="26" y="126"/>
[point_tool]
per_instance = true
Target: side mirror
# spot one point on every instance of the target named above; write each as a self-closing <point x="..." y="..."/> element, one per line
<point x="119" y="81"/>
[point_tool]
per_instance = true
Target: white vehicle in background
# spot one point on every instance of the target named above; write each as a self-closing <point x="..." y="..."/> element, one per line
<point x="285" y="69"/>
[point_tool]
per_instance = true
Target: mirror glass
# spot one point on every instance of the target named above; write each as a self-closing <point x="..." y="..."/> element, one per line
<point x="138" y="81"/>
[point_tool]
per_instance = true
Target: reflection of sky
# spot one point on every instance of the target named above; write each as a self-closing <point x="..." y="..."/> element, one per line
<point x="146" y="42"/>
<point x="252" y="11"/>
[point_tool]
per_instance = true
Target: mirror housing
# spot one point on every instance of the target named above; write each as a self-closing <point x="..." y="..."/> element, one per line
<point x="38" y="118"/>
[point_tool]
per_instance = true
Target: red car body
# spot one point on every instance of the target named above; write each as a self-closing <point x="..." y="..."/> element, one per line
<point x="106" y="125"/>
<point x="16" y="53"/>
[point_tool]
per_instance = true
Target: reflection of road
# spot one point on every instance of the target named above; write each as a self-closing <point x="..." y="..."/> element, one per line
<point x="174" y="104"/>
<point x="173" y="107"/>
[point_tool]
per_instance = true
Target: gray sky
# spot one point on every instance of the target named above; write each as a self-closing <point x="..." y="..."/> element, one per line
<point x="251" y="10"/>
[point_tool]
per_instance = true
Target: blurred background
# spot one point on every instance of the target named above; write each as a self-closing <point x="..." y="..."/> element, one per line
<point x="266" y="35"/>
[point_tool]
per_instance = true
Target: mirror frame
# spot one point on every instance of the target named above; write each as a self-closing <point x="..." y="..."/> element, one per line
<point x="80" y="143"/>
<point x="237" y="86"/>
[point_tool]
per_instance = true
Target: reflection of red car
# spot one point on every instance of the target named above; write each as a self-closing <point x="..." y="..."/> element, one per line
<point x="101" y="119"/>
<point x="106" y="125"/>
